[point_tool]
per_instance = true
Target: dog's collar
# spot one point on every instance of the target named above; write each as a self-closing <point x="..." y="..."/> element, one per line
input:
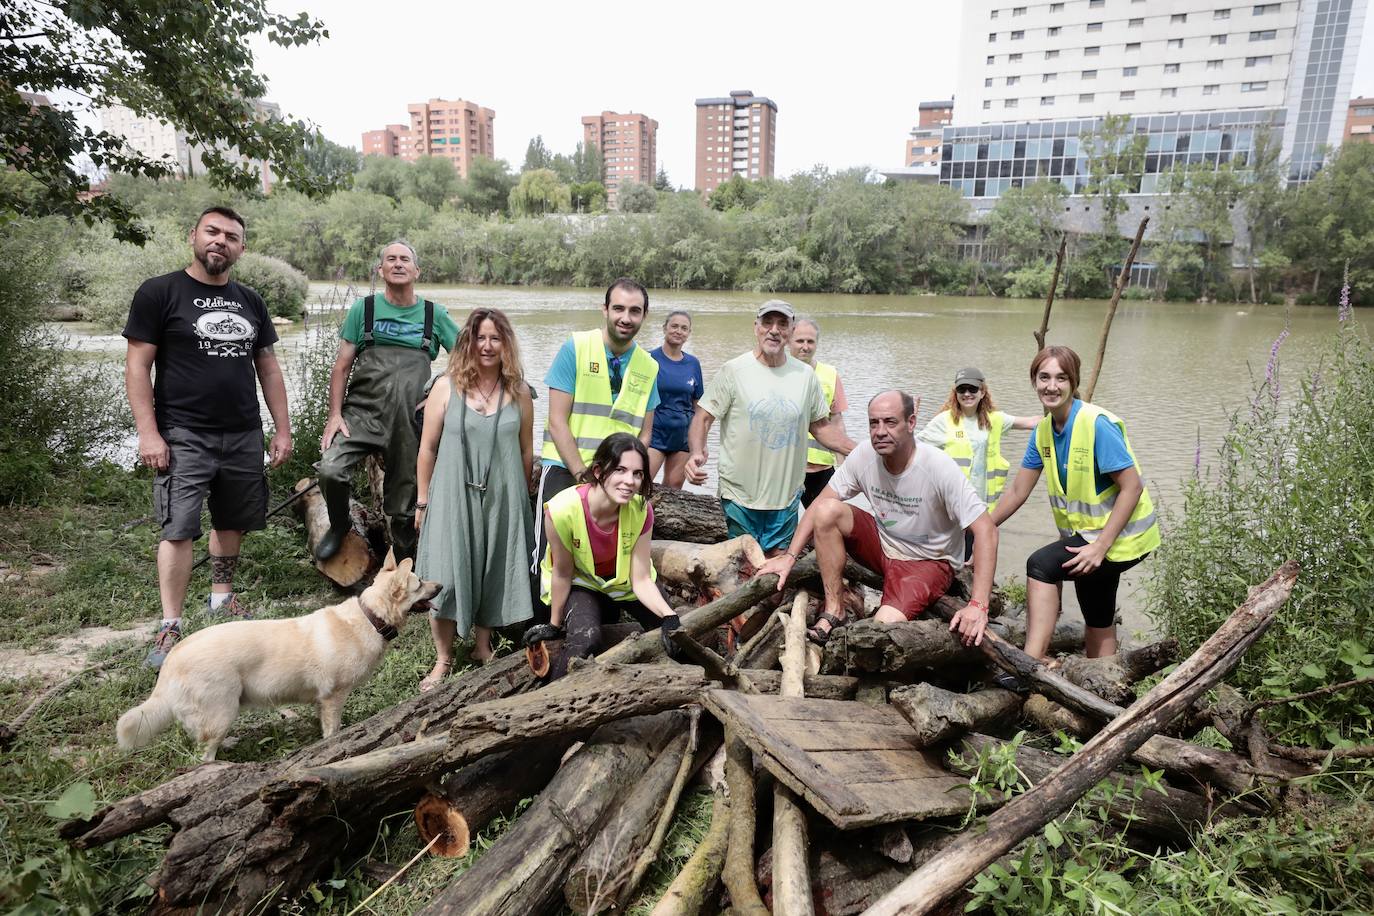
<point x="387" y="631"/>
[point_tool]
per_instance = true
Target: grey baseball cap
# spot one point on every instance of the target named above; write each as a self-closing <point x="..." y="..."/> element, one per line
<point x="968" y="377"/>
<point x="779" y="306"/>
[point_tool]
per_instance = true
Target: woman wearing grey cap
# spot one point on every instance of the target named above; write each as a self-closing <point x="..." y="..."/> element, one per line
<point x="969" y="428"/>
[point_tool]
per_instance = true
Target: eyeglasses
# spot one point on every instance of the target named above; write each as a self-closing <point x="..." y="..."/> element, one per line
<point x="967" y="389"/>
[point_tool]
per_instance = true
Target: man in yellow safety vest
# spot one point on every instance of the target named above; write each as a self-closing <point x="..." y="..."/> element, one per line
<point x="820" y="461"/>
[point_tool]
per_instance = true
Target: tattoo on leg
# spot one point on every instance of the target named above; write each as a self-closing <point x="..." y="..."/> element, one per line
<point x="222" y="569"/>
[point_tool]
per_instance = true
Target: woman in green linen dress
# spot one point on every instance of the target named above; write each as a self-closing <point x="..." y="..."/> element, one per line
<point x="473" y="475"/>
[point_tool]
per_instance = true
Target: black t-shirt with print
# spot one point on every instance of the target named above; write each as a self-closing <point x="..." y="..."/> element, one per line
<point x="206" y="337"/>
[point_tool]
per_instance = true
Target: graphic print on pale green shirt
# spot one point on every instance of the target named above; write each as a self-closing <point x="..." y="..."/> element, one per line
<point x="764" y="414"/>
<point x="400" y="326"/>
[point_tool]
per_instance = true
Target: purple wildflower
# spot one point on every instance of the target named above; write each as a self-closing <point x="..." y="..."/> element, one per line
<point x="1271" y="371"/>
<point x="1197" y="455"/>
<point x="1343" y="313"/>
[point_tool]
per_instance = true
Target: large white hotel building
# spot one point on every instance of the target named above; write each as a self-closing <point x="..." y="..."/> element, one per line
<point x="1199" y="78"/>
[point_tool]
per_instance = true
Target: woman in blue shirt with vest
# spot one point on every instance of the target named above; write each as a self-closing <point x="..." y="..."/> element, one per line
<point x="1101" y="507"/>
<point x="680" y="384"/>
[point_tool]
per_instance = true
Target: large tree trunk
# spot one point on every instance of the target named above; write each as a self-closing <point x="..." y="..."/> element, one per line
<point x="474" y="796"/>
<point x="947" y="872"/>
<point x="355" y="561"/>
<point x="244" y="832"/>
<point x="683" y="516"/>
<point x="522" y="873"/>
<point x="938" y="715"/>
<point x="600" y="877"/>
<point x="705" y="572"/>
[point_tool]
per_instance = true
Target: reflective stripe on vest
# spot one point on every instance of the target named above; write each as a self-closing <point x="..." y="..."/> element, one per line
<point x="957" y="446"/>
<point x="1079" y="508"/>
<point x="594" y="416"/>
<point x="570" y="523"/>
<point x="815" y="452"/>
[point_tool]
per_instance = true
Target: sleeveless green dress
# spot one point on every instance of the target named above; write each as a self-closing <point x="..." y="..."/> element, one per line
<point x="476" y="542"/>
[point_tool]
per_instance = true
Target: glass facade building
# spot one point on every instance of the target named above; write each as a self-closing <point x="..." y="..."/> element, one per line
<point x="1322" y="40"/>
<point x="985" y="160"/>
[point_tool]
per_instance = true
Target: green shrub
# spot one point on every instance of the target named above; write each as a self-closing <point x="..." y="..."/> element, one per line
<point x="1137" y="293"/>
<point x="1292" y="480"/>
<point x="280" y="285"/>
<point x="1310" y="299"/>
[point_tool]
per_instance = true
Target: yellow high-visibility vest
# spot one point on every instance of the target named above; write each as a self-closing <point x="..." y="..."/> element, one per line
<point x="957" y="446"/>
<point x="570" y="524"/>
<point x="594" y="416"/>
<point x="816" y="453"/>
<point x="1079" y="508"/>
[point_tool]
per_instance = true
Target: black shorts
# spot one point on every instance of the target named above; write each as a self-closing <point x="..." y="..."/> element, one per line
<point x="227" y="467"/>
<point x="553" y="479"/>
<point x="1096" y="591"/>
<point x="813" y="485"/>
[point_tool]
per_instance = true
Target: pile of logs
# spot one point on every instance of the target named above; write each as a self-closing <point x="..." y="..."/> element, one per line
<point x="833" y="788"/>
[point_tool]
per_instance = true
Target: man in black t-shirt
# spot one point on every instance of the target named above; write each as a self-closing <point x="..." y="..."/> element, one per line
<point x="209" y="341"/>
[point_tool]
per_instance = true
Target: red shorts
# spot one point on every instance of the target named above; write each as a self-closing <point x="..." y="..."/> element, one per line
<point x="910" y="586"/>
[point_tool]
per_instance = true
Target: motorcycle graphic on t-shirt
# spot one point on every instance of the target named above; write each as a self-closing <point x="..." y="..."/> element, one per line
<point x="225" y="334"/>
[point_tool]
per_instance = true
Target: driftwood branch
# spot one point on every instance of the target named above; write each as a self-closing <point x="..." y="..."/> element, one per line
<point x="791" y="882"/>
<point x="739" y="859"/>
<point x="1121" y="280"/>
<point x="1049" y="297"/>
<point x="947" y="872"/>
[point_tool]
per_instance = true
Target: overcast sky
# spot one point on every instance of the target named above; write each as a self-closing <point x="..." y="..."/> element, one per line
<point x="846" y="77"/>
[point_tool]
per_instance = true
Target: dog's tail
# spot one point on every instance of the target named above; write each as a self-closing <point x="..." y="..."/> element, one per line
<point x="140" y="725"/>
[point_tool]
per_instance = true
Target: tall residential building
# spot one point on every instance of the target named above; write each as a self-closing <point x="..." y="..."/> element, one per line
<point x="454" y="130"/>
<point x="1359" y="120"/>
<point x="736" y="135"/>
<point x="163" y="140"/>
<point x="628" y="145"/>
<point x="1199" y="78"/>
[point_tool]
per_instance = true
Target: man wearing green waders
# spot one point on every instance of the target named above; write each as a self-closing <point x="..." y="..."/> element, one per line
<point x="387" y="343"/>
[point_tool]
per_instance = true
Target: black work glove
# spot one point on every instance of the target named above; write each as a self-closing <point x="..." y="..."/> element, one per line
<point x="667" y="627"/>
<point x="541" y="632"/>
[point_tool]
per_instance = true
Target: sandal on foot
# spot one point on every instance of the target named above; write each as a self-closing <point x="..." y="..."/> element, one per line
<point x="432" y="680"/>
<point x="819" y="638"/>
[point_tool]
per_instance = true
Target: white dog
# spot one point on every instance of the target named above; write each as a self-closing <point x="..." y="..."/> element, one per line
<point x="318" y="658"/>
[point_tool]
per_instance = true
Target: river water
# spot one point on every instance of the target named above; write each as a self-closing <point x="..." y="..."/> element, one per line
<point x="1173" y="371"/>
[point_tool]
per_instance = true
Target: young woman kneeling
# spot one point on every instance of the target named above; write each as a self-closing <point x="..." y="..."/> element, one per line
<point x="597" y="562"/>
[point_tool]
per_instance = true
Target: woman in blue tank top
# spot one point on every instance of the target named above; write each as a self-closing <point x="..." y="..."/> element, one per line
<point x="679" y="386"/>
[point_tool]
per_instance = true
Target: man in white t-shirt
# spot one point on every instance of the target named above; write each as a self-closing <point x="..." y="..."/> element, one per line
<point x="915" y="536"/>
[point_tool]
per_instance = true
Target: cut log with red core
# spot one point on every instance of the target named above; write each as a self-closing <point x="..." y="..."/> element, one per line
<point x="355" y="561"/>
<point x="683" y="516"/>
<point x="470" y="798"/>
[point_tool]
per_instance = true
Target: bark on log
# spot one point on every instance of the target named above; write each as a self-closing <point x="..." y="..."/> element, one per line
<point x="1112" y="677"/>
<point x="706" y="571"/>
<point x="523" y="872"/>
<point x="739" y="859"/>
<point x="474" y="796"/>
<point x="946" y="873"/>
<point x="938" y="715"/>
<point x="765" y="647"/>
<point x="791" y="882"/>
<point x="699" y="621"/>
<point x="846" y="879"/>
<point x="355" y="561"/>
<point x="247" y="831"/>
<point x="1169" y="815"/>
<point x="601" y="875"/>
<point x="695" y="885"/>
<point x="683" y="516"/>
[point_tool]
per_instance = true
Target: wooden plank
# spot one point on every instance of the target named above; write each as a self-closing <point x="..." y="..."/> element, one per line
<point x="857" y="765"/>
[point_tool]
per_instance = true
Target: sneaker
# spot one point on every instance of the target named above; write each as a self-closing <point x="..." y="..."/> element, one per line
<point x="168" y="635"/>
<point x="230" y="608"/>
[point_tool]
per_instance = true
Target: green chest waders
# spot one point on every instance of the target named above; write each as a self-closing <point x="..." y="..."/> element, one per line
<point x="384" y="389"/>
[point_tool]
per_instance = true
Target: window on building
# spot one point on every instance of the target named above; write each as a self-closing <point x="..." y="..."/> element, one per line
<point x="1048" y="77"/>
<point x="1211" y="89"/>
<point x="1254" y="87"/>
<point x="1013" y="58"/>
<point x="1364" y="112"/>
<point x="993" y="14"/>
<point x="1018" y="11"/>
<point x="1263" y="35"/>
<point x="987" y="103"/>
<point x="1129" y="71"/>
<point x="1013" y="80"/>
<point x="1168" y="92"/>
<point x="1056" y="7"/>
<point x="1133" y="46"/>
<point x="1096" y="4"/>
<point x="1127" y="95"/>
<point x="991" y="58"/>
<point x="1009" y="103"/>
<point x="1085" y="97"/>
<point x="1171" y="68"/>
<point x="992" y="37"/>
<point x="1218" y="40"/>
<point x="1135" y="23"/>
<point x="1221" y="14"/>
<point x="1213" y="65"/>
<point x="1259" y="61"/>
<point x="1051" y="55"/>
<point x="1089" y="74"/>
<point x="1092" y="51"/>
<point x="1046" y="100"/>
<point x="1052" y="31"/>
<point x="987" y="82"/>
<point x="1262" y="8"/>
<point x="1179" y="17"/>
<point x="1018" y="35"/>
<point x="1174" y="43"/>
<point x="1094" y="27"/>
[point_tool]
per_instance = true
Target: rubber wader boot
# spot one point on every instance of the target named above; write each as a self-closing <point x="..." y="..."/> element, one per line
<point x="340" y="521"/>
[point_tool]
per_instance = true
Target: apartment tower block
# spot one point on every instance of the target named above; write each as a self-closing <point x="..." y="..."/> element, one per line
<point x="628" y="145"/>
<point x="457" y="130"/>
<point x="736" y="135"/>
